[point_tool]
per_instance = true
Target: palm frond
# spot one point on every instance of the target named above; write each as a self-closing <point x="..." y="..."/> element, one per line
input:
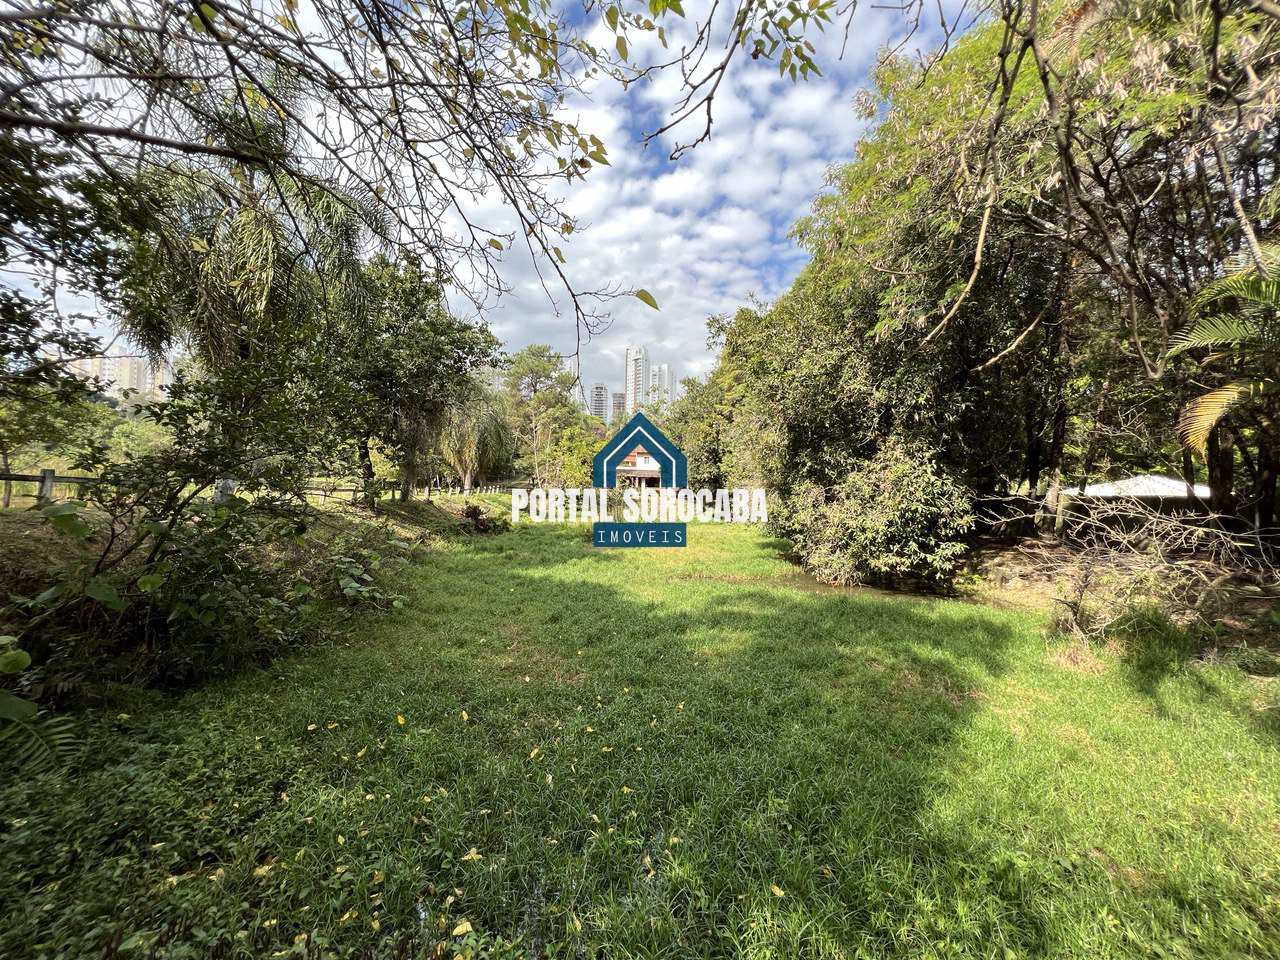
<point x="1249" y="287"/>
<point x="1221" y="329"/>
<point x="1202" y="414"/>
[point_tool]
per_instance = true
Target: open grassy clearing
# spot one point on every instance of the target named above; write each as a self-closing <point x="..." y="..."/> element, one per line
<point x="654" y="753"/>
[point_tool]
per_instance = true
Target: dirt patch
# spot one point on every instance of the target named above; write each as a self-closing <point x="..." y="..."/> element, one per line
<point x="1012" y="574"/>
<point x="1076" y="655"/>
<point x="1134" y="879"/>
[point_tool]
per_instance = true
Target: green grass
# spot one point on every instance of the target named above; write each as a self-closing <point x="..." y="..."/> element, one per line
<point x="664" y="753"/>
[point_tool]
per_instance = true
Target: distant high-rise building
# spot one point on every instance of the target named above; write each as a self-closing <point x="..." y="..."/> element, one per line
<point x="94" y="368"/>
<point x="119" y="374"/>
<point x="619" y="411"/>
<point x="661" y="389"/>
<point x="598" y="401"/>
<point x="636" y="377"/>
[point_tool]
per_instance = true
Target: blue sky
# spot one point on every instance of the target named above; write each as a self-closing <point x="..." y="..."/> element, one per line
<point x="709" y="231"/>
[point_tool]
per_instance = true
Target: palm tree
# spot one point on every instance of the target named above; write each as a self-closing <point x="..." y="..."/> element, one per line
<point x="1237" y="316"/>
<point x="475" y="437"/>
<point x="236" y="259"/>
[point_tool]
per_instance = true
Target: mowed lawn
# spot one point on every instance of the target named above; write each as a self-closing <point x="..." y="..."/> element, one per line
<point x="554" y="750"/>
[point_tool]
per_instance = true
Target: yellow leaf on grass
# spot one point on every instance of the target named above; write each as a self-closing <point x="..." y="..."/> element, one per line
<point x="400" y="719"/>
<point x="465" y="717"/>
<point x="462" y="929"/>
<point x="777" y="890"/>
<point x="533" y="754"/>
<point x="473" y="854"/>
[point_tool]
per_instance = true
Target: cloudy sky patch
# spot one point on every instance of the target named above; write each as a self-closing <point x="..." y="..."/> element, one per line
<point x="703" y="233"/>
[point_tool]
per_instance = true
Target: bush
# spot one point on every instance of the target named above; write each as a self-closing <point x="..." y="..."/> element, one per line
<point x="894" y="517"/>
<point x="233" y="582"/>
<point x="178" y="573"/>
<point x="481" y="521"/>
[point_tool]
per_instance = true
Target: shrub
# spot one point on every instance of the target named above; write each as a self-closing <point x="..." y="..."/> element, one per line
<point x="228" y="583"/>
<point x="481" y="521"/>
<point x="894" y="517"/>
<point x="179" y="572"/>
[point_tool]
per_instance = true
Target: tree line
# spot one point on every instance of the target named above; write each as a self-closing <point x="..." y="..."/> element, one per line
<point x="1024" y="280"/>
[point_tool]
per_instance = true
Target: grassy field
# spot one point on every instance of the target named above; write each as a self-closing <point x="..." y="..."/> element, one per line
<point x="560" y="751"/>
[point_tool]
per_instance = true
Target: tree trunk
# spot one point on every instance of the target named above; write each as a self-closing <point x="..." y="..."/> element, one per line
<point x="1058" y="435"/>
<point x="1265" y="515"/>
<point x="366" y="472"/>
<point x="466" y="482"/>
<point x="1221" y="462"/>
<point x="408" y="476"/>
<point x="1033" y="456"/>
<point x="1057" y="445"/>
<point x="1189" y="473"/>
<point x="1091" y="443"/>
<point x="8" y="484"/>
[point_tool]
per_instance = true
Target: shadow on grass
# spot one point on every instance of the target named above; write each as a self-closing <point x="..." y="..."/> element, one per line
<point x="1156" y="652"/>
<point x="688" y="768"/>
<point x="798" y="734"/>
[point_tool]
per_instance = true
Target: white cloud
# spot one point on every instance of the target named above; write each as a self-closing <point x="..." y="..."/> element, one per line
<point x="707" y="232"/>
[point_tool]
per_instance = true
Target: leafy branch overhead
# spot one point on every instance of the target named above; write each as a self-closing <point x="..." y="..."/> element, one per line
<point x="412" y="115"/>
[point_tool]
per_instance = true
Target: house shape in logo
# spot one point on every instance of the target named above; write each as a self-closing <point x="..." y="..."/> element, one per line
<point x="640" y="434"/>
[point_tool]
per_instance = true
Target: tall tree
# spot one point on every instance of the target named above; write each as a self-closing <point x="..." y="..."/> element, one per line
<point x="475" y="435"/>
<point x="407" y="361"/>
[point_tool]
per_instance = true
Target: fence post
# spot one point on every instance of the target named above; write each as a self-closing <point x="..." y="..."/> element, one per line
<point x="45" y="492"/>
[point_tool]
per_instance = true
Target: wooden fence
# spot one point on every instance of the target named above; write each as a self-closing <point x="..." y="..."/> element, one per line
<point x="42" y="487"/>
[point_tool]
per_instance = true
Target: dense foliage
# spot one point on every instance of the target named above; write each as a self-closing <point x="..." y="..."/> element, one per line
<point x="999" y="279"/>
<point x="894" y="518"/>
<point x="556" y="437"/>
